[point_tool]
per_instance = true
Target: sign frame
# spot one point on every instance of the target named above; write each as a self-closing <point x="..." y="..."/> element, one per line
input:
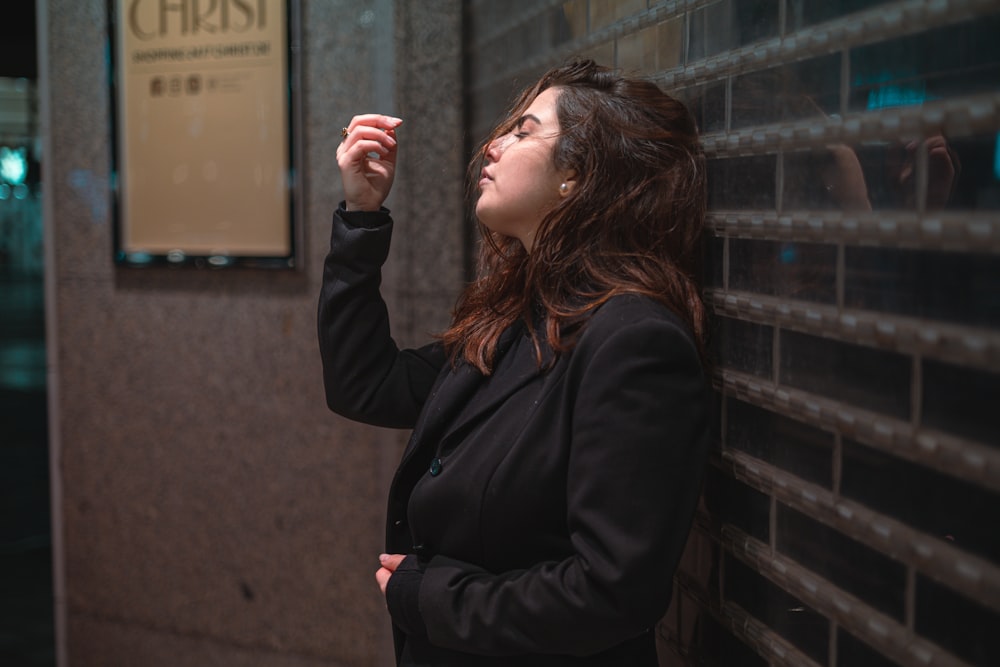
<point x="159" y="186"/>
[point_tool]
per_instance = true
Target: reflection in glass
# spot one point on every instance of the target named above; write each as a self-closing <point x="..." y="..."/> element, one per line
<point x="743" y="346"/>
<point x="736" y="503"/>
<point x="729" y="24"/>
<point x="799" y="624"/>
<point x="708" y="104"/>
<point x="961" y="288"/>
<point x="715" y="645"/>
<point x="964" y="515"/>
<point x="825" y="178"/>
<point x="714" y="261"/>
<point x="802" y="13"/>
<point x="847" y="564"/>
<point x="742" y="182"/>
<point x="952" y="60"/>
<point x="871" y="379"/>
<point x="804" y="271"/>
<point x="957" y="623"/>
<point x="852" y="652"/>
<point x="961" y="400"/>
<point x="976" y="162"/>
<point x="798" y="91"/>
<point x="791" y="445"/>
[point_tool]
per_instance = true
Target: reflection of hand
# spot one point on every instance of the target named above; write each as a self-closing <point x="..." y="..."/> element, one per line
<point x="367" y="161"/>
<point x="844" y="179"/>
<point x="942" y="166"/>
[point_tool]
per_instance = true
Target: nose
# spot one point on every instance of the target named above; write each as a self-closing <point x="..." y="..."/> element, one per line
<point x="497" y="147"/>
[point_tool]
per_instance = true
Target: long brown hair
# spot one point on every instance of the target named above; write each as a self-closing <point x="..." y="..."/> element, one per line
<point x="632" y="223"/>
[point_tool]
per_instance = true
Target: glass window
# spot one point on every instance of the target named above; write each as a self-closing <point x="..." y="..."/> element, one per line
<point x="847" y="564"/>
<point x="957" y="623"/>
<point x="964" y="515"/>
<point x="952" y="60"/>
<point x="804" y="271"/>
<point x="800" y="625"/>
<point x="869" y="378"/>
<point x="952" y="287"/>
<point x="743" y="346"/>
<point x="791" y="445"/>
<point x="961" y="400"/>
<point x="742" y="182"/>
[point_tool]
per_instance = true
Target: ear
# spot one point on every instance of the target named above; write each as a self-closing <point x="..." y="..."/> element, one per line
<point x="568" y="183"/>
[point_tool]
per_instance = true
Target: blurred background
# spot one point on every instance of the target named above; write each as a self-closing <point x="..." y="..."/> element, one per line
<point x="173" y="490"/>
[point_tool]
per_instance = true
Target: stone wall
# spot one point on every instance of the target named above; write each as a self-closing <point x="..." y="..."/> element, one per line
<point x="209" y="509"/>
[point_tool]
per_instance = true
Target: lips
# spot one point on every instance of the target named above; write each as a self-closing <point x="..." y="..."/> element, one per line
<point x="484" y="177"/>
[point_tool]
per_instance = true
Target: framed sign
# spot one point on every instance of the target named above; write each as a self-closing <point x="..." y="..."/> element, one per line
<point x="205" y="132"/>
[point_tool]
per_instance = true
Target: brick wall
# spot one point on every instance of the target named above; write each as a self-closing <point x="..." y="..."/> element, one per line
<point x="851" y="515"/>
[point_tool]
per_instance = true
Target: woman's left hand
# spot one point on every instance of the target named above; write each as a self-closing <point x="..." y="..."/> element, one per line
<point x="367" y="160"/>
<point x="389" y="564"/>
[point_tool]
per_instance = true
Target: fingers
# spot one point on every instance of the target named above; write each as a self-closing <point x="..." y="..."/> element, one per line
<point x="368" y="128"/>
<point x="389" y="563"/>
<point x="374" y="120"/>
<point x="364" y="140"/>
<point x="382" y="577"/>
<point x="367" y="159"/>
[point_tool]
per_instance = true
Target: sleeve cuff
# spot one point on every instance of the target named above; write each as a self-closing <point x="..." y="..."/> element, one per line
<point x="366" y="219"/>
<point x="402" y="596"/>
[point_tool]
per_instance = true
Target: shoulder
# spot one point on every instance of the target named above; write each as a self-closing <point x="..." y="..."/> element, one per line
<point x="631" y="332"/>
<point x="630" y="315"/>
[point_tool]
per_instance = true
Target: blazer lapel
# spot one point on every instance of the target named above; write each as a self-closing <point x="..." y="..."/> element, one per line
<point x="449" y="409"/>
<point x="514" y="373"/>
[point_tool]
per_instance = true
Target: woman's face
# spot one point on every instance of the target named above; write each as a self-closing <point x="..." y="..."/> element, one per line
<point x="519" y="183"/>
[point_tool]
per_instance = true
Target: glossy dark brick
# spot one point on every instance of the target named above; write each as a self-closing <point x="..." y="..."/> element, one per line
<point x="742" y="346"/>
<point x="961" y="400"/>
<point x="802" y="450"/>
<point x="950" y="287"/>
<point x="852" y="652"/>
<point x="960" y="59"/>
<point x="804" y="271"/>
<point x="847" y="564"/>
<point x="866" y="377"/>
<point x="720" y="26"/>
<point x="799" y="624"/>
<point x="731" y="501"/>
<point x="802" y="13"/>
<point x="945" y="507"/>
<point x="788" y="93"/>
<point x="742" y="182"/>
<point x="957" y="623"/>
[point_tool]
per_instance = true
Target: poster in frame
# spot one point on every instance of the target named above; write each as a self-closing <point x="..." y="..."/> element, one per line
<point x="205" y="132"/>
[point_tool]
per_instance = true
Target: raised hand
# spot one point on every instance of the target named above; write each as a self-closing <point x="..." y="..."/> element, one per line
<point x="367" y="160"/>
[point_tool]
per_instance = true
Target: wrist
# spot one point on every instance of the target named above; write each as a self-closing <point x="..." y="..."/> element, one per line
<point x="402" y="596"/>
<point x="359" y="218"/>
<point x="360" y="207"/>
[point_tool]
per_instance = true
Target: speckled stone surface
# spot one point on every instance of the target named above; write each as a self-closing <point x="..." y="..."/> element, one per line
<point x="213" y="511"/>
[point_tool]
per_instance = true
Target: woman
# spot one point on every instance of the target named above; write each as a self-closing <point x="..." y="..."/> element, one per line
<point x="560" y="424"/>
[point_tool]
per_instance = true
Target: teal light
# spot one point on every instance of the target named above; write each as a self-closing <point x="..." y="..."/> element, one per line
<point x="895" y="96"/>
<point x="893" y="89"/>
<point x="996" y="159"/>
<point x="13" y="165"/>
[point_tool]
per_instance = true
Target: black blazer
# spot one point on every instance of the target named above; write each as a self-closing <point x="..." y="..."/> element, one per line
<point x="547" y="509"/>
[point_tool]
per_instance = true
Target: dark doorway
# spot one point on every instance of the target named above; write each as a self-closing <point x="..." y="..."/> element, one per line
<point x="26" y="592"/>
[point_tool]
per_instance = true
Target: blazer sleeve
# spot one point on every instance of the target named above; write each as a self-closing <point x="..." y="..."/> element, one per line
<point x="640" y="429"/>
<point x="366" y="376"/>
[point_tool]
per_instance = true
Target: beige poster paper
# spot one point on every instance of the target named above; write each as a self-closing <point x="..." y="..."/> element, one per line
<point x="203" y="150"/>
